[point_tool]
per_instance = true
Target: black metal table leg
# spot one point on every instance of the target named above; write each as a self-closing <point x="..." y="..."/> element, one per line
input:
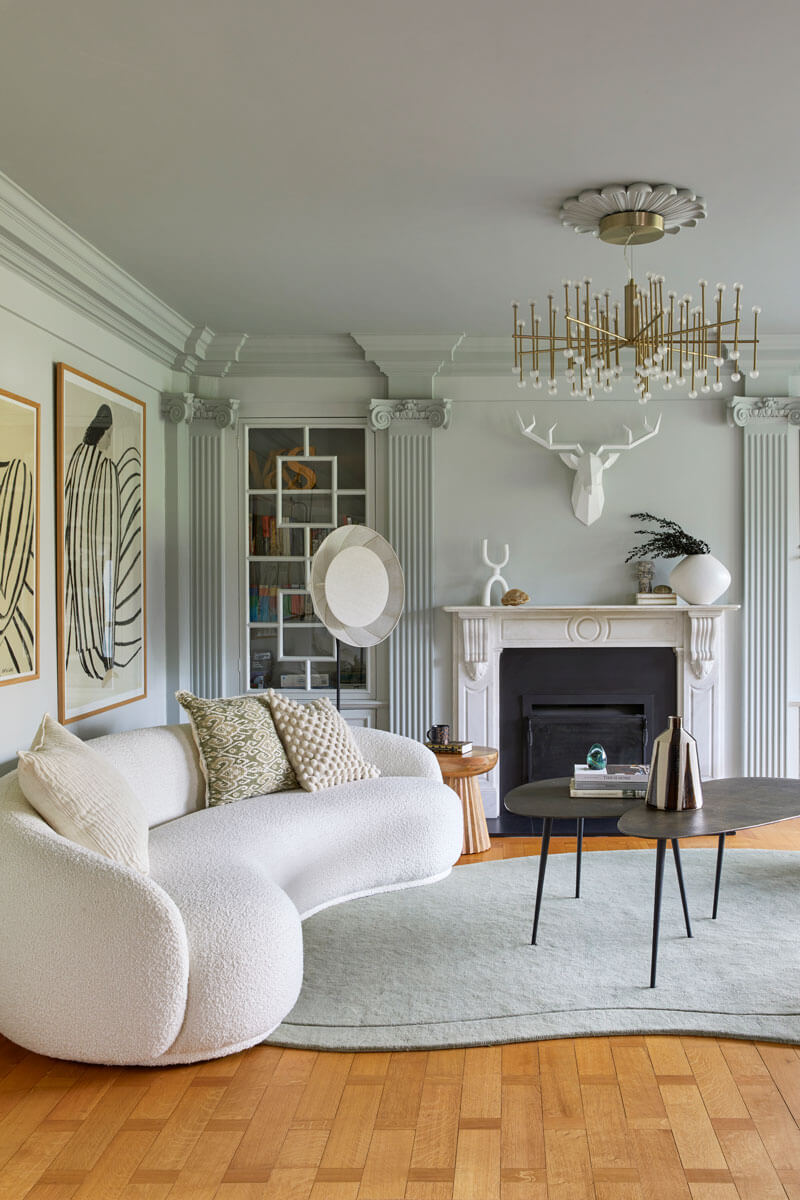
<point x="579" y="852"/>
<point x="548" y="825"/>
<point x="661" y="854"/>
<point x="679" y="872"/>
<point x="718" y="876"/>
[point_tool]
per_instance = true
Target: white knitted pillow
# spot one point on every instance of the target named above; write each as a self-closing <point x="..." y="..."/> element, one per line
<point x="82" y="796"/>
<point x="318" y="743"/>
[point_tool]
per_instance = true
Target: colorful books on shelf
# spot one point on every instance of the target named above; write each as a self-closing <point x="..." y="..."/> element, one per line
<point x="656" y="599"/>
<point x="266" y="538"/>
<point x="450" y="747"/>
<point x="617" y="781"/>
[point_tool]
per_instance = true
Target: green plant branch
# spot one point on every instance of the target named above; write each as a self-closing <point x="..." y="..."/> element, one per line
<point x="667" y="541"/>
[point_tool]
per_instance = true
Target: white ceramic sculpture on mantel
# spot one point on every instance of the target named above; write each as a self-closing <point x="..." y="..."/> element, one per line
<point x="495" y="577"/>
<point x="700" y="579"/>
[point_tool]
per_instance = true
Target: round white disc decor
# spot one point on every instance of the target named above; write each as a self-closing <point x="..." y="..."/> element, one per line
<point x="356" y="585"/>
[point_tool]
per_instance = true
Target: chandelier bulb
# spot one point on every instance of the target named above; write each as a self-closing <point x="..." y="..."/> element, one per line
<point x="703" y="283"/>
<point x="734" y="354"/>
<point x="693" y="395"/>
<point x="753" y="374"/>
<point x="667" y="386"/>
<point x="587" y="279"/>
<point x="756" y="309"/>
<point x="672" y="295"/>
<point x="537" y="383"/>
<point x="705" y="389"/>
<point x="579" y="359"/>
<point x="737" y="287"/>
<point x="521" y="383"/>
<point x="717" y="386"/>
<point x="721" y="287"/>
<point x="735" y="377"/>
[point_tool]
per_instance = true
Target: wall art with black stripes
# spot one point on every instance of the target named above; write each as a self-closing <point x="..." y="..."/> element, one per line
<point x="101" y="546"/>
<point x="19" y="539"/>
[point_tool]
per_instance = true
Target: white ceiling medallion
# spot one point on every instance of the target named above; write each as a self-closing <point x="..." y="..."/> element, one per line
<point x="676" y="206"/>
<point x="676" y="342"/>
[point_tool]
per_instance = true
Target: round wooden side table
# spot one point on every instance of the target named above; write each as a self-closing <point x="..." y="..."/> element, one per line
<point x="459" y="772"/>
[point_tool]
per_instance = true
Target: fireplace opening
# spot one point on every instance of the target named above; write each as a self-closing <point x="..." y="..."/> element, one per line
<point x="556" y="702"/>
<point x="556" y="736"/>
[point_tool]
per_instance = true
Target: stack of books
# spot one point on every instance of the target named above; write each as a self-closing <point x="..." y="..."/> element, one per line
<point x="656" y="599"/>
<point x="618" y="781"/>
<point x="450" y="747"/>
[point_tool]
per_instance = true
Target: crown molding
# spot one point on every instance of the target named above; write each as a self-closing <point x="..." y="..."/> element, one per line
<point x="410" y="362"/>
<point x="292" y="354"/>
<point x="41" y="247"/>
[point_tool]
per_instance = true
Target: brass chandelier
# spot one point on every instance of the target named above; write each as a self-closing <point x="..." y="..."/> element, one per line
<point x="675" y="341"/>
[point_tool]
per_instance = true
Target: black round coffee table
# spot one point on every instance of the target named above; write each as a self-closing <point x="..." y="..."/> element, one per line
<point x="550" y="800"/>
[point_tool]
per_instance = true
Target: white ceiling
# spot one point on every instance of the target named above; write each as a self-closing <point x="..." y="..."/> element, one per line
<point x="297" y="166"/>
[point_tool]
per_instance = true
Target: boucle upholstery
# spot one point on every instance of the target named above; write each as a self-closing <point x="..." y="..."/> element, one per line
<point x="204" y="957"/>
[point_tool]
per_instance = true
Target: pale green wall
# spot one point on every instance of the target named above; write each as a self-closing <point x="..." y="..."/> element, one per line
<point x="37" y="331"/>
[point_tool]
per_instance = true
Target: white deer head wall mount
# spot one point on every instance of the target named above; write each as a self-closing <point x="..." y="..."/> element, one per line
<point x="588" y="465"/>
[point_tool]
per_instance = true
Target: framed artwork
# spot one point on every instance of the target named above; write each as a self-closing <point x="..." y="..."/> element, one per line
<point x="100" y="506"/>
<point x="19" y="539"/>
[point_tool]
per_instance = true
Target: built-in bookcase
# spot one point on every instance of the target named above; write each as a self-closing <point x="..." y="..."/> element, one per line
<point x="302" y="481"/>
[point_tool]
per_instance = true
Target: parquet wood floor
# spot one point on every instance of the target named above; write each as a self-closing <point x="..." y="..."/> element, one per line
<point x="625" y="1118"/>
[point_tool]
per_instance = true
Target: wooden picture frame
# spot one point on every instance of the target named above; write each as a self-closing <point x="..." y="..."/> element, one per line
<point x="101" y="546"/>
<point x="20" y="434"/>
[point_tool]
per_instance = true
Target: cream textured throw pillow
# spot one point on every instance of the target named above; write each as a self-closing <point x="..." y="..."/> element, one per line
<point x="319" y="744"/>
<point x="82" y="796"/>
<point x="240" y="751"/>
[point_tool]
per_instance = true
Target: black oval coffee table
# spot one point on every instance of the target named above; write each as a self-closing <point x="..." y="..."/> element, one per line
<point x="550" y="800"/>
<point x="728" y="805"/>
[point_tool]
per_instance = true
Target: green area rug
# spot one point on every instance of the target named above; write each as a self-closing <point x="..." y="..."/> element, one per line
<point x="451" y="964"/>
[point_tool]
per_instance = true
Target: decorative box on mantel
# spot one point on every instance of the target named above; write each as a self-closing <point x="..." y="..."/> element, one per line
<point x="696" y="633"/>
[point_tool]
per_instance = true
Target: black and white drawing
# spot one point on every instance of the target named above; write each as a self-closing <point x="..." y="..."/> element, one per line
<point x="19" y="565"/>
<point x="102" y="546"/>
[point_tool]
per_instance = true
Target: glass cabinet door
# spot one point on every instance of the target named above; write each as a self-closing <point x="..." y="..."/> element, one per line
<point x="302" y="482"/>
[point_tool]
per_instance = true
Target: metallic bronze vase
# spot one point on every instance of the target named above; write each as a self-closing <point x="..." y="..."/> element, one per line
<point x="674" y="782"/>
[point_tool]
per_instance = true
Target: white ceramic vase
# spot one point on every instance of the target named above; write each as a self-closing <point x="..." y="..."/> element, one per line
<point x="700" y="579"/>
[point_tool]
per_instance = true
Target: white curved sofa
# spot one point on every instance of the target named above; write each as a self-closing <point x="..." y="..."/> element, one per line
<point x="204" y="956"/>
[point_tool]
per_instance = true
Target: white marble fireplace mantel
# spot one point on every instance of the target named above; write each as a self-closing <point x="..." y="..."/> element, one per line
<point x="695" y="632"/>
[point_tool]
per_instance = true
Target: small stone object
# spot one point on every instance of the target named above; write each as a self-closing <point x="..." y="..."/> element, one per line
<point x="596" y="758"/>
<point x="661" y="589"/>
<point x="644" y="572"/>
<point x="514" y="596"/>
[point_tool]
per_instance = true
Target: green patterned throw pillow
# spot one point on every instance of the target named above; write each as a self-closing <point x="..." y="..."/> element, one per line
<point x="240" y="752"/>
